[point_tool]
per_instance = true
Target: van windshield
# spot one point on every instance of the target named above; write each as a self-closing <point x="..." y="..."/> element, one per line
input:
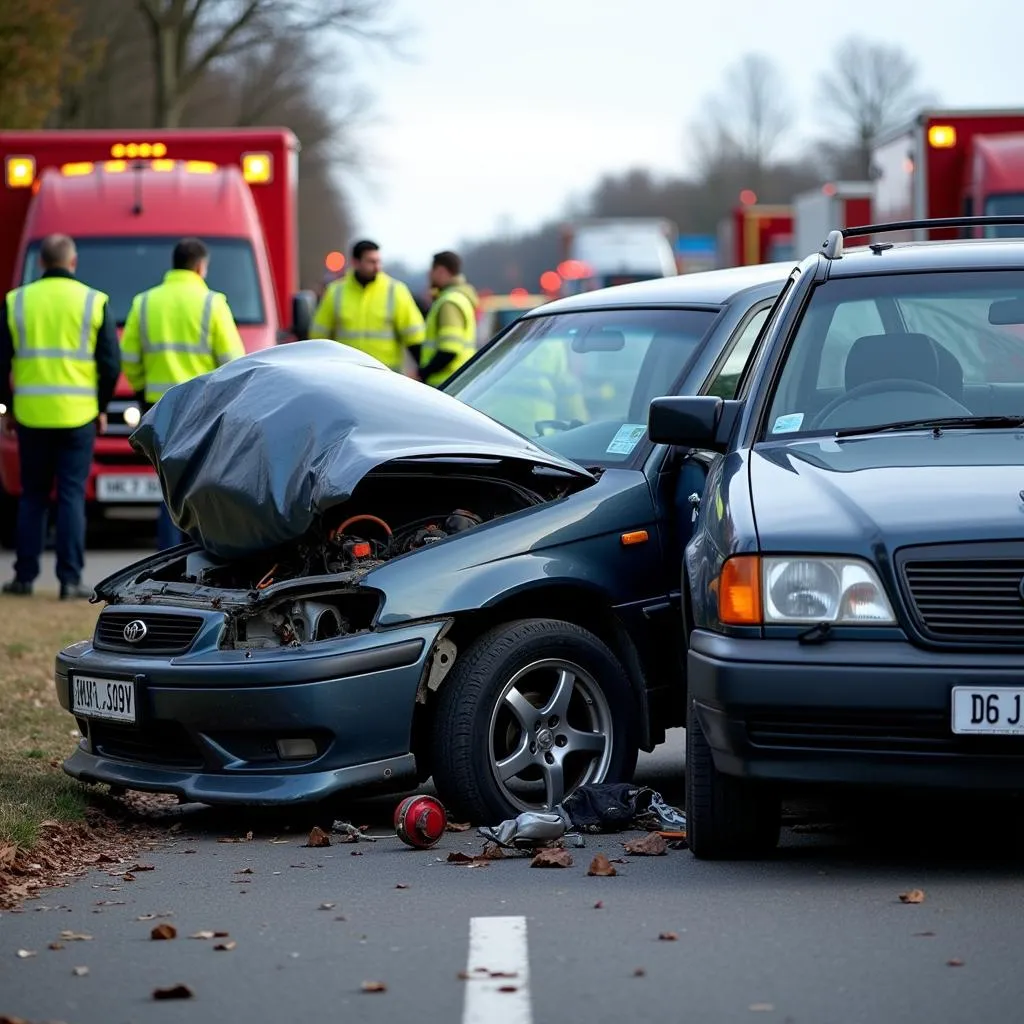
<point x="123" y="267"/>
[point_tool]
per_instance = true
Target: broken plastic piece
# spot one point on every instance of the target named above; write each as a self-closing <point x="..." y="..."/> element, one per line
<point x="531" y="828"/>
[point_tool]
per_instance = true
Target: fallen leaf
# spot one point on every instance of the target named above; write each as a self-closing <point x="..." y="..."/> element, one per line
<point x="401" y="885"/>
<point x="129" y="877"/>
<point x="914" y="896"/>
<point x="668" y="936"/>
<point x="25" y="953"/>
<point x="226" y="946"/>
<point x="245" y="871"/>
<point x="318" y="837"/>
<point x="954" y="963"/>
<point x="463" y="975"/>
<point x="492" y="851"/>
<point x="202" y="935"/>
<point x="75" y="936"/>
<point x="174" y="992"/>
<point x="164" y="931"/>
<point x="326" y="906"/>
<point x="762" y="1007"/>
<point x="652" y="845"/>
<point x="176" y="827"/>
<point x="143" y="867"/>
<point x="601" y="867"/>
<point x="456" y="826"/>
<point x="552" y="858"/>
<point x="509" y="988"/>
<point x="55" y="945"/>
<point x="458" y="857"/>
<point x="504" y="974"/>
<point x="356" y="853"/>
<point x="374" y="986"/>
<point x="221" y="935"/>
<point x="599" y="904"/>
<point x="79" y="972"/>
<point x="639" y="972"/>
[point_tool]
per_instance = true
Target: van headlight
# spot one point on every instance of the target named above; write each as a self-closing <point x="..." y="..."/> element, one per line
<point x="841" y="591"/>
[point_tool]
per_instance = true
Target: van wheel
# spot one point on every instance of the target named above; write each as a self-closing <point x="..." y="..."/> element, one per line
<point x="531" y="711"/>
<point x="726" y="817"/>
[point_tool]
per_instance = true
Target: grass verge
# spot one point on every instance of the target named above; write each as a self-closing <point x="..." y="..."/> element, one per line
<point x="36" y="733"/>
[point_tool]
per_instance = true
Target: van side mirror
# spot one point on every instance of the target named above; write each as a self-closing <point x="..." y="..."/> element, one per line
<point x="303" y="307"/>
<point x="692" y="421"/>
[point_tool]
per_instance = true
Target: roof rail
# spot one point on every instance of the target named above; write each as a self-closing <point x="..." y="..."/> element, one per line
<point x="833" y="246"/>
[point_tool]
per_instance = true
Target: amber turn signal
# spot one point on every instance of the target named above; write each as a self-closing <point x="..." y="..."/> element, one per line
<point x="635" y="537"/>
<point x="739" y="591"/>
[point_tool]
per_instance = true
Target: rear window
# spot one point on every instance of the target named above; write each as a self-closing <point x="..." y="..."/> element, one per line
<point x="123" y="267"/>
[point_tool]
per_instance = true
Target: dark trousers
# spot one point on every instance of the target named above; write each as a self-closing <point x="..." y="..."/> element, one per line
<point x="64" y="454"/>
<point x="167" y="534"/>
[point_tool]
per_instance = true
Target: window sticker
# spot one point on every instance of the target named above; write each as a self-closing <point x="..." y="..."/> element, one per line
<point x="788" y="423"/>
<point x="626" y="438"/>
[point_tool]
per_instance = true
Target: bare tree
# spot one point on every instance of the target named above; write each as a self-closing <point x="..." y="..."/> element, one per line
<point x="189" y="37"/>
<point x="745" y="121"/>
<point x="869" y="87"/>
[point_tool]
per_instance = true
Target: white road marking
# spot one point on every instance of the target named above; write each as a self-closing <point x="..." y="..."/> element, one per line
<point x="499" y="945"/>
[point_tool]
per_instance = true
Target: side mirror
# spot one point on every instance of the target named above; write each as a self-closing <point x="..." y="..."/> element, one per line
<point x="692" y="421"/>
<point x="303" y="307"/>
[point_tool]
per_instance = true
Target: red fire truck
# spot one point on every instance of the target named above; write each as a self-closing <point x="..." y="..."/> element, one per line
<point x="126" y="198"/>
<point x="837" y="204"/>
<point x="951" y="163"/>
<point x="755" y="233"/>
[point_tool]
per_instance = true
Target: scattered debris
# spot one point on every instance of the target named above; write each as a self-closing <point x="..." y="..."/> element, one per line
<point x="529" y="830"/>
<point x="318" y="837"/>
<point x="420" y="821"/>
<point x="164" y="931"/>
<point x="326" y="906"/>
<point x="153" y="917"/>
<point x="508" y="988"/>
<point x="350" y="834"/>
<point x="639" y="972"/>
<point x="226" y="947"/>
<point x="143" y="867"/>
<point x="616" y="806"/>
<point x="924" y="935"/>
<point x="174" y="992"/>
<point x="762" y="1007"/>
<point x="356" y="853"/>
<point x="955" y="962"/>
<point x="652" y="845"/>
<point x="55" y="945"/>
<point x="247" y="838"/>
<point x="668" y="937"/>
<point x="599" y="904"/>
<point x="24" y="954"/>
<point x="245" y="871"/>
<point x="457" y="826"/>
<point x="552" y="857"/>
<point x="79" y="972"/>
<point x="75" y="937"/>
<point x="374" y="986"/>
<point x="600" y="866"/>
<point x="205" y="934"/>
<point x="914" y="896"/>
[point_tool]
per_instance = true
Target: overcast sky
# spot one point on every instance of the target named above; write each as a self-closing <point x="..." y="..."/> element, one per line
<point x="507" y="109"/>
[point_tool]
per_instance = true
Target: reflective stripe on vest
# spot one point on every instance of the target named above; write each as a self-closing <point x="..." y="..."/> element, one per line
<point x="461" y="342"/>
<point x="391" y="355"/>
<point x="55" y="385"/>
<point x="199" y="348"/>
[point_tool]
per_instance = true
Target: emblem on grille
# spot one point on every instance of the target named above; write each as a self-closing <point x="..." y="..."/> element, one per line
<point x="135" y="631"/>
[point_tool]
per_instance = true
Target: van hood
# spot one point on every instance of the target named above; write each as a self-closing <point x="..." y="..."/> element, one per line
<point x="252" y="456"/>
<point x="888" y="490"/>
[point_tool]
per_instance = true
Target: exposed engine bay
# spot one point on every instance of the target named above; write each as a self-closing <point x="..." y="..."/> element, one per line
<point x="390" y="514"/>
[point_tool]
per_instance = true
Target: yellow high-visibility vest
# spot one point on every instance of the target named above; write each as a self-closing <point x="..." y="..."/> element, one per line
<point x="177" y="331"/>
<point x="461" y="340"/>
<point x="55" y="323"/>
<point x="380" y="318"/>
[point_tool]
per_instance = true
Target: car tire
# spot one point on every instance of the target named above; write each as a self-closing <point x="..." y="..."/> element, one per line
<point x="726" y="817"/>
<point x="479" y="725"/>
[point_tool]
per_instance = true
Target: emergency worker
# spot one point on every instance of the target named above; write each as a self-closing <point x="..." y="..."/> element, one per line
<point x="59" y="346"/>
<point x="370" y="311"/>
<point x="451" y="322"/>
<point x="174" y="332"/>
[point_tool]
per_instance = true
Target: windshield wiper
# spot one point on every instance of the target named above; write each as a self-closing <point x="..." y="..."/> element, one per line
<point x="937" y="423"/>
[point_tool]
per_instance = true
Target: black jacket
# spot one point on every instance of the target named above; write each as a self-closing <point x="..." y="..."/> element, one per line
<point x="108" y="354"/>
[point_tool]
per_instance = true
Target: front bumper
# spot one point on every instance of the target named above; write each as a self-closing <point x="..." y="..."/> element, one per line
<point x="873" y="713"/>
<point x="208" y="721"/>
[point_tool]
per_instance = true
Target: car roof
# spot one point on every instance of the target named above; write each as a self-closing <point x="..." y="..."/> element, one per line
<point x="709" y="287"/>
<point x="911" y="257"/>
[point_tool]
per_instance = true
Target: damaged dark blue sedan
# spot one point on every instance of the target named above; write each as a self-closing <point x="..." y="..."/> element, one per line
<point x="389" y="583"/>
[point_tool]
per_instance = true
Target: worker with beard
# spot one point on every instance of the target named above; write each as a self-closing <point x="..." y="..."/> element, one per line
<point x="451" y="322"/>
<point x="370" y="311"/>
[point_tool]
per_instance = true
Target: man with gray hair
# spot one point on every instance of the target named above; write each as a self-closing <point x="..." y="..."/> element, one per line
<point x="59" y="364"/>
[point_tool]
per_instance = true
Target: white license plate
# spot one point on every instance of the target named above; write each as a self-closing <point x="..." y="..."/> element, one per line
<point x="128" y="487"/>
<point x="996" y="712"/>
<point x="114" y="699"/>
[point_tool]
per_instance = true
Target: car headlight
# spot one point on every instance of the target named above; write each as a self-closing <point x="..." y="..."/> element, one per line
<point x="132" y="414"/>
<point x="795" y="590"/>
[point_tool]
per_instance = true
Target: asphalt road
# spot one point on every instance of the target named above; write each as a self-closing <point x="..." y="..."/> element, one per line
<point x="816" y="934"/>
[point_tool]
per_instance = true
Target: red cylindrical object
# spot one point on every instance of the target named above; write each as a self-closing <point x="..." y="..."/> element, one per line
<point x="420" y="821"/>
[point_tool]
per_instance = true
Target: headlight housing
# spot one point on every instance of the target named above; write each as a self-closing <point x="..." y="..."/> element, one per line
<point x="795" y="590"/>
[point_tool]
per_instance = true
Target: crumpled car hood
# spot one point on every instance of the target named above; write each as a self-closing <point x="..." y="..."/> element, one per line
<point x="251" y="455"/>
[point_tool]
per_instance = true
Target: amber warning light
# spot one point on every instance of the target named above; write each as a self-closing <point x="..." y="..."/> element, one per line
<point x="20" y="171"/>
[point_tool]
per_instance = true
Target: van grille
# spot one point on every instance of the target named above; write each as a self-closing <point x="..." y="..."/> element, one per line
<point x="165" y="633"/>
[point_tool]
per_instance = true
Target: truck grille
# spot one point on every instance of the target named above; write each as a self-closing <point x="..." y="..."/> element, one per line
<point x="975" y="601"/>
<point x="165" y="633"/>
<point x="116" y="426"/>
